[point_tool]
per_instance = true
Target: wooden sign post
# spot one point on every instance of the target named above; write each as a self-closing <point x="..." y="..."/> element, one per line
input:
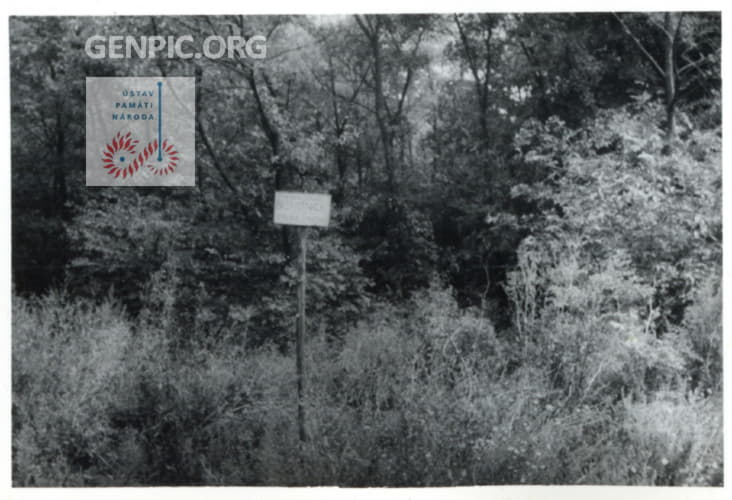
<point x="303" y="210"/>
<point x="301" y="272"/>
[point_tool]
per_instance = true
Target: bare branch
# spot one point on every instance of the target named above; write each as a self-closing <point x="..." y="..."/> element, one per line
<point x="640" y="45"/>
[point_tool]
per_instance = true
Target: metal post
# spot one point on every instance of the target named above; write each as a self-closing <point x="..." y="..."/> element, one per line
<point x="302" y="233"/>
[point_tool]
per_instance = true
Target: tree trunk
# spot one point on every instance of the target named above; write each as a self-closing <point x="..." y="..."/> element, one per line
<point x="59" y="172"/>
<point x="670" y="82"/>
<point x="383" y="122"/>
<point x="381" y="119"/>
<point x="283" y="169"/>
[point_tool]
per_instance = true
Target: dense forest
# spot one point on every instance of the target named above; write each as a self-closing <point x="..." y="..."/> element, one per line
<point x="520" y="283"/>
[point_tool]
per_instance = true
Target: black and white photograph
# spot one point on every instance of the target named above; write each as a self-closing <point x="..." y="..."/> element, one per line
<point x="366" y="250"/>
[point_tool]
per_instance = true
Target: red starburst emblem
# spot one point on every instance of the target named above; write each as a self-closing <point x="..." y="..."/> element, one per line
<point x="118" y="156"/>
<point x="166" y="161"/>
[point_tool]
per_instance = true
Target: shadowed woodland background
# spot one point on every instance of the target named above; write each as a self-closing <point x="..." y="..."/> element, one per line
<point x="520" y="284"/>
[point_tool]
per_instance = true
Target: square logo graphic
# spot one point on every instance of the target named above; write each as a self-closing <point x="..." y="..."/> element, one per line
<point x="140" y="131"/>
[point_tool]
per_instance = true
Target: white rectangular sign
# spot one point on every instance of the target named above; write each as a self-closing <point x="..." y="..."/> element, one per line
<point x="301" y="209"/>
